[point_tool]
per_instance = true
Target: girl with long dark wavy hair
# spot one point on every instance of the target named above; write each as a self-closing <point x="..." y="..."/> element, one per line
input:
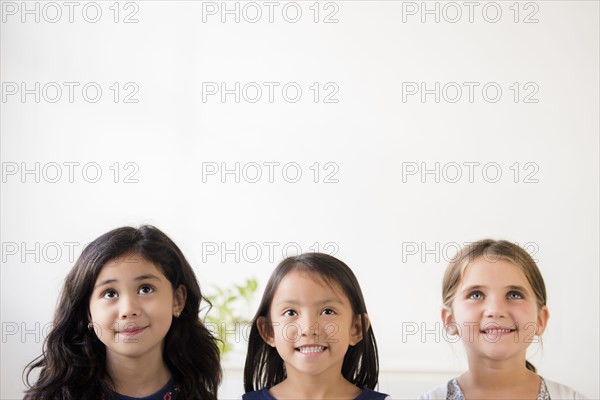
<point x="127" y="326"/>
<point x="311" y="336"/>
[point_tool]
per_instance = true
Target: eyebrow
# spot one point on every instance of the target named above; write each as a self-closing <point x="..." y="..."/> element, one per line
<point x="509" y="287"/>
<point x="326" y="301"/>
<point x="137" y="278"/>
<point x="519" y="288"/>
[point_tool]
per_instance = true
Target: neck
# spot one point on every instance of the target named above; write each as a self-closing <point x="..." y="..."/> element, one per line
<point x="497" y="375"/>
<point x="317" y="387"/>
<point x="139" y="376"/>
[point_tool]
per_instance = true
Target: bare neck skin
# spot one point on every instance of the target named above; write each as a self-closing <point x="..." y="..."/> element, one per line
<point x="491" y="379"/>
<point x="320" y="387"/>
<point x="137" y="377"/>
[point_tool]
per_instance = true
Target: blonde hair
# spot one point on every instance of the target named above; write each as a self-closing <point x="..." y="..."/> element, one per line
<point x="493" y="250"/>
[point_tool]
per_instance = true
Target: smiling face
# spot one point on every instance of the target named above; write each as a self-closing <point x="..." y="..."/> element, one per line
<point x="132" y="306"/>
<point x="495" y="311"/>
<point x="311" y="325"/>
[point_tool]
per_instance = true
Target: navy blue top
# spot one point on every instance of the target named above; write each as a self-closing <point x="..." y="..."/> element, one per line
<point x="168" y="392"/>
<point x="263" y="394"/>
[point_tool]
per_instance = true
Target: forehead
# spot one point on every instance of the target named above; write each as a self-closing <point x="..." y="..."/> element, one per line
<point x="306" y="287"/>
<point x="129" y="267"/>
<point x="490" y="272"/>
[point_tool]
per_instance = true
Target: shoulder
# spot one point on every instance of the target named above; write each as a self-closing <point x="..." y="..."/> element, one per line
<point x="558" y="391"/>
<point x="369" y="394"/>
<point x="438" y="393"/>
<point x="262" y="394"/>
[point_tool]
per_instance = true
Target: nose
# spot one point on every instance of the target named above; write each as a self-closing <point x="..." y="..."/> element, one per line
<point x="309" y="326"/>
<point x="495" y="307"/>
<point x="129" y="307"/>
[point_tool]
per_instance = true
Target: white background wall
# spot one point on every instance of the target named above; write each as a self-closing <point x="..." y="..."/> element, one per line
<point x="395" y="229"/>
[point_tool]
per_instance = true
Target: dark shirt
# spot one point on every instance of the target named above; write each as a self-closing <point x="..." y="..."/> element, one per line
<point x="263" y="394"/>
<point x="168" y="392"/>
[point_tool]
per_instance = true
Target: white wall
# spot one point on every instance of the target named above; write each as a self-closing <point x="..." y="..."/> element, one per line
<point x="381" y="222"/>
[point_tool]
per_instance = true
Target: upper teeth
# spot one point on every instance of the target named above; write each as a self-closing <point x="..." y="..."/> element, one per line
<point x="497" y="330"/>
<point x="311" y="349"/>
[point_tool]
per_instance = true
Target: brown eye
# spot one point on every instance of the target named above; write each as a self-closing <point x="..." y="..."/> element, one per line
<point x="328" y="311"/>
<point x="110" y="294"/>
<point x="290" y="313"/>
<point x="146" y="289"/>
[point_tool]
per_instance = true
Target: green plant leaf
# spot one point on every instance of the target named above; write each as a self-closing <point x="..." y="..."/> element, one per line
<point x="230" y="311"/>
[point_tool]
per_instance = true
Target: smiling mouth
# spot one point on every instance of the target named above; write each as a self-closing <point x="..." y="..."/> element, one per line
<point x="497" y="331"/>
<point x="311" y="349"/>
<point x="131" y="332"/>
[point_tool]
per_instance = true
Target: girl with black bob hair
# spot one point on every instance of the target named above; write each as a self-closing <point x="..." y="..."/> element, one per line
<point x="129" y="308"/>
<point x="311" y="336"/>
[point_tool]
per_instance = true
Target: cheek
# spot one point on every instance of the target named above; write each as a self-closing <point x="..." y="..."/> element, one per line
<point x="287" y="333"/>
<point x="160" y="309"/>
<point x="464" y="312"/>
<point x="528" y="312"/>
<point x="333" y="332"/>
<point x="97" y="311"/>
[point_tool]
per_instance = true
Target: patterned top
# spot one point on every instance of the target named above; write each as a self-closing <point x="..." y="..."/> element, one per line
<point x="263" y="394"/>
<point x="454" y="392"/>
<point x="168" y="392"/>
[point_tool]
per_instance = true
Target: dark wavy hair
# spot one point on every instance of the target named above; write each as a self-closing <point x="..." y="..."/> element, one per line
<point x="73" y="363"/>
<point x="265" y="368"/>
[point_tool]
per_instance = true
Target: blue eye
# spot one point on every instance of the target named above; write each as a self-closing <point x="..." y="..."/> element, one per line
<point x="290" y="313"/>
<point x="514" y="295"/>
<point x="146" y="289"/>
<point x="109" y="294"/>
<point x="476" y="295"/>
<point x="328" y="311"/>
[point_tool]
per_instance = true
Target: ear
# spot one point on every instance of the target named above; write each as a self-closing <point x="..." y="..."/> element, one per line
<point x="449" y="322"/>
<point x="179" y="297"/>
<point x="542" y="322"/>
<point x="266" y="331"/>
<point x="356" y="331"/>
